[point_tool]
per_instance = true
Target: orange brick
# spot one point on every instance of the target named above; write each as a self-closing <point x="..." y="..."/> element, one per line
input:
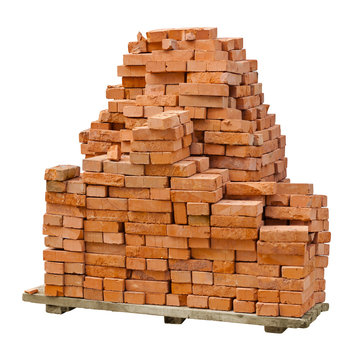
<point x="104" y="260"/>
<point x="322" y="237"/>
<point x="237" y="207"/>
<point x="246" y="294"/>
<point x="182" y="254"/>
<point x="196" y="196"/>
<point x="278" y="200"/>
<point x="135" y="240"/>
<point x="257" y="269"/>
<point x="54" y="267"/>
<point x="54" y="290"/>
<point x="279" y="248"/>
<point x="197" y="301"/>
<point x="293" y="310"/>
<point x="181" y="288"/>
<point x="188" y="231"/>
<point x="229" y="233"/>
<point x="74" y="245"/>
<point x="101" y="226"/>
<point x="226" y="267"/>
<point x="199" y="243"/>
<point x="232" y="244"/>
<point x="54" y="220"/>
<point x="203" y="89"/>
<point x="217" y="303"/>
<point x="245" y="255"/>
<point x="74" y="268"/>
<point x="106" y="203"/>
<point x="135" y="263"/>
<point x="103" y="179"/>
<point x="113" y="296"/>
<point x="54" y="279"/>
<point x="113" y="238"/>
<point x="237" y="280"/>
<point x="133" y="297"/>
<point x="63" y="256"/>
<point x="156" y="265"/>
<point x="244" y="306"/>
<point x="74" y="291"/>
<point x="160" y="194"/>
<point x="93" y="294"/>
<point x="194" y="208"/>
<point x="107" y="271"/>
<point x="147" y="286"/>
<point x="213" y="254"/>
<point x="276" y="259"/>
<point x="145" y="229"/>
<point x="96" y="191"/>
<point x="133" y="111"/>
<point x="155" y="298"/>
<point x="289" y="188"/>
<point x="251" y="188"/>
<point x="167" y="242"/>
<point x="180" y="214"/>
<point x="75" y="186"/>
<point x="31" y="291"/>
<point x="201" y="277"/>
<point x="73" y="222"/>
<point x="321" y="261"/>
<point x="268" y="296"/>
<point x="297" y="272"/>
<point x="56" y="186"/>
<point x="191" y="265"/>
<point x="62" y="172"/>
<point x="267" y="309"/>
<point x="236" y="221"/>
<point x="203" y="182"/>
<point x="284" y="233"/>
<point x="65" y="199"/>
<point x="180" y="276"/>
<point x="214" y="78"/>
<point x="114" y="284"/>
<point x="147" y="252"/>
<point x="93" y="283"/>
<point x="175" y="300"/>
<point x="150" y="205"/>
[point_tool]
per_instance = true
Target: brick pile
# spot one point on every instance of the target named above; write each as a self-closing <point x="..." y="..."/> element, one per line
<point x="183" y="199"/>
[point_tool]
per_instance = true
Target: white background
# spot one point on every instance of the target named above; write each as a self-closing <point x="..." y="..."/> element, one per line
<point x="56" y="60"/>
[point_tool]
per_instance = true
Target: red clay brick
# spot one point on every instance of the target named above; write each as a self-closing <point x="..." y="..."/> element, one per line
<point x="197" y="301"/>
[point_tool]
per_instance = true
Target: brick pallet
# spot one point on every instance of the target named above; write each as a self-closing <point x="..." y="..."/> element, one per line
<point x="183" y="200"/>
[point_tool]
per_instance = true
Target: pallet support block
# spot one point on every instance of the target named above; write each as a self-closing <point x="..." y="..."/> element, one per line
<point x="173" y="320"/>
<point x="59" y="310"/>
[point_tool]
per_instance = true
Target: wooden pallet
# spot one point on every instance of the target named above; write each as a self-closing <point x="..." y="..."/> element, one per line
<point x="177" y="315"/>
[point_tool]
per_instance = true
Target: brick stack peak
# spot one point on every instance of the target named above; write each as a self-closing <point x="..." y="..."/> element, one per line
<point x="183" y="199"/>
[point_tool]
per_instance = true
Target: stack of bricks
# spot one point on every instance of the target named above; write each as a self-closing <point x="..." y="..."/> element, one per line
<point x="63" y="227"/>
<point x="184" y="199"/>
<point x="165" y="139"/>
<point x="292" y="250"/>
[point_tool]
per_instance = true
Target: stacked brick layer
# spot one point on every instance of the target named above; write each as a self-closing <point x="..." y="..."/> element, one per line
<point x="184" y="199"/>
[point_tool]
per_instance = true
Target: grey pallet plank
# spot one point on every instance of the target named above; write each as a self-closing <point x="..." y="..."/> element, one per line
<point x="179" y="312"/>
